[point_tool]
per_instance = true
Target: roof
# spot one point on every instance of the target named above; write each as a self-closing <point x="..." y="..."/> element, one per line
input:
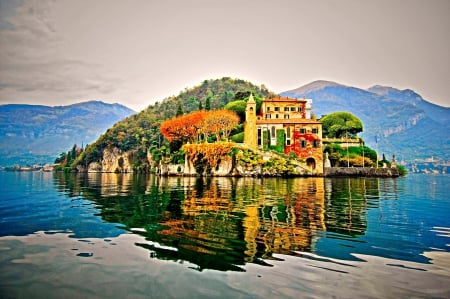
<point x="281" y="99"/>
<point x="251" y="99"/>
<point x="287" y="121"/>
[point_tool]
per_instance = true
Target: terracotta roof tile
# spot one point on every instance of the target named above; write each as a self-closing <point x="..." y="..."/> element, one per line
<point x="287" y="121"/>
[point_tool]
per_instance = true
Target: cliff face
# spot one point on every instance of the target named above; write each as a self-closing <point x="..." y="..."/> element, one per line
<point x="116" y="161"/>
<point x="113" y="161"/>
<point x="407" y="124"/>
<point x="245" y="162"/>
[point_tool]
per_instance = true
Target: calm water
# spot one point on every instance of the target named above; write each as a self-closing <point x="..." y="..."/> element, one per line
<point x="138" y="236"/>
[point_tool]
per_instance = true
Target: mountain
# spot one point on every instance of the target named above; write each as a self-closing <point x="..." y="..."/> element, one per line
<point x="31" y="134"/>
<point x="395" y="121"/>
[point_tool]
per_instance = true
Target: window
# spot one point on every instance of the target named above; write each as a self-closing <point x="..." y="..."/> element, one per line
<point x="286" y="116"/>
<point x="277" y="108"/>
<point x="299" y="109"/>
<point x="303" y="144"/>
<point x="259" y="136"/>
<point x="292" y="108"/>
<point x="272" y="131"/>
<point x="268" y="108"/>
<point x="286" y="109"/>
<point x="315" y="130"/>
<point x="302" y="131"/>
<point x="276" y="115"/>
<point x="268" y="116"/>
<point x="288" y="136"/>
<point x="315" y="143"/>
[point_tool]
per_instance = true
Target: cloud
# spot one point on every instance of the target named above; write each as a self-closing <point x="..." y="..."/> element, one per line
<point x="34" y="64"/>
<point x="137" y="52"/>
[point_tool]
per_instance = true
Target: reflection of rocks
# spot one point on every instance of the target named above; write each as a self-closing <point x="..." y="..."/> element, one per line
<point x="111" y="184"/>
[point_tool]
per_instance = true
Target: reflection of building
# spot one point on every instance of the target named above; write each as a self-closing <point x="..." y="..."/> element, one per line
<point x="224" y="222"/>
<point x="287" y="227"/>
<point x="285" y="123"/>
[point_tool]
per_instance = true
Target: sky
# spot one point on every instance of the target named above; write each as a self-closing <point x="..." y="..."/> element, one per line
<point x="136" y="52"/>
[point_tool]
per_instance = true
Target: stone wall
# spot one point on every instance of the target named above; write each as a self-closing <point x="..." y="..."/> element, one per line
<point x="360" y="172"/>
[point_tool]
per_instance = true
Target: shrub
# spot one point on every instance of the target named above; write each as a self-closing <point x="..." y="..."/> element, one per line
<point x="402" y="170"/>
<point x="238" y="138"/>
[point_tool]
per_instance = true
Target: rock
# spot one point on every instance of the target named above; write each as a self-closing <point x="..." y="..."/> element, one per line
<point x="115" y="161"/>
<point x="224" y="168"/>
<point x="94" y="167"/>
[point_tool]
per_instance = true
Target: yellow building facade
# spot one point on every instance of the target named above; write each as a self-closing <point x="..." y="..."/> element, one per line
<point x="285" y="124"/>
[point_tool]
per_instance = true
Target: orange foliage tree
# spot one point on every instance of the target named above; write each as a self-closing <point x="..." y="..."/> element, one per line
<point x="185" y="127"/>
<point x="221" y="121"/>
<point x="191" y="126"/>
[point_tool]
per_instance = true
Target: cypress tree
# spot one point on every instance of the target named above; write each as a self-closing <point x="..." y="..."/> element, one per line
<point x="179" y="110"/>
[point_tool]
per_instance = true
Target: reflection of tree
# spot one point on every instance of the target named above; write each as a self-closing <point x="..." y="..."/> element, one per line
<point x="215" y="223"/>
<point x="346" y="204"/>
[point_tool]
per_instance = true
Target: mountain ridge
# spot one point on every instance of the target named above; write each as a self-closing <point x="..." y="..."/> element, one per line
<point x="35" y="134"/>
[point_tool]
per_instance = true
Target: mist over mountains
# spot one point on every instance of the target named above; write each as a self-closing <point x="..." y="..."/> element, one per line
<point x="31" y="134"/>
<point x="395" y="121"/>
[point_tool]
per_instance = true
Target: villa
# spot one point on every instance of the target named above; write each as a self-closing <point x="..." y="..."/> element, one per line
<point x="285" y="125"/>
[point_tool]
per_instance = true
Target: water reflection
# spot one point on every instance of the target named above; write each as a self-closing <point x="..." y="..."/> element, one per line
<point x="223" y="223"/>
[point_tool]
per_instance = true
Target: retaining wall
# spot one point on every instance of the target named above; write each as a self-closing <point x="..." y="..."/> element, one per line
<point x="360" y="172"/>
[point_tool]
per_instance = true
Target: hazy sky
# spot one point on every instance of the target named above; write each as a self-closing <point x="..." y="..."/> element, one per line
<point x="138" y="52"/>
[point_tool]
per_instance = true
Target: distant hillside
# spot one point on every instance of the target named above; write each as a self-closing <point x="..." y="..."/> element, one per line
<point x="405" y="124"/>
<point x="37" y="134"/>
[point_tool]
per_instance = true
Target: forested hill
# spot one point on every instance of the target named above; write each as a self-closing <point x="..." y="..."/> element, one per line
<point x="140" y="131"/>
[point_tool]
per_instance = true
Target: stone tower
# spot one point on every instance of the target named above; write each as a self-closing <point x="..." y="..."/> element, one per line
<point x="250" y="123"/>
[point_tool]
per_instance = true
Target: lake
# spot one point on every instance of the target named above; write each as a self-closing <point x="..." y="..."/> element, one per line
<point x="142" y="236"/>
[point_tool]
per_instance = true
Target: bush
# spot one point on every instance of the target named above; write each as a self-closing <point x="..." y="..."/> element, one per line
<point x="402" y="170"/>
<point x="238" y="138"/>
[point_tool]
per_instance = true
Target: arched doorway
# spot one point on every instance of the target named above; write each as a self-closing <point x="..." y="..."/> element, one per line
<point x="310" y="162"/>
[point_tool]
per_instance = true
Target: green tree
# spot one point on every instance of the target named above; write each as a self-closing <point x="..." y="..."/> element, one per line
<point x="179" y="110"/>
<point x="238" y="107"/>
<point x="242" y="95"/>
<point x="208" y="104"/>
<point x="338" y="124"/>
